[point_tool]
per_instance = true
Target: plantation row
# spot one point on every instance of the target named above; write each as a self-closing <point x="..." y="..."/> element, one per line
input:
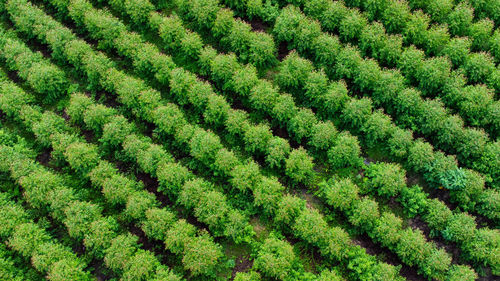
<point x="200" y="256"/>
<point x="238" y="188"/>
<point x="116" y="41"/>
<point x="427" y="117"/>
<point x="304" y="121"/>
<point x="433" y="76"/>
<point x="353" y="249"/>
<point x="331" y="98"/>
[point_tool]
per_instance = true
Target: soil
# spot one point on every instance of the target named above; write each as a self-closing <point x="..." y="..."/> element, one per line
<point x="283" y="133"/>
<point x="88" y="135"/>
<point x="259" y="25"/>
<point x="100" y="270"/>
<point x="13" y="76"/>
<point x="283" y="50"/>
<point x="44" y="157"/>
<point x="151" y="185"/>
<point x="39" y="47"/>
<point x="243" y="264"/>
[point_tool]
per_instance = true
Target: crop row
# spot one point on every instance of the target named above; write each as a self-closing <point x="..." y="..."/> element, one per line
<point x="45" y="190"/>
<point x="210" y="206"/>
<point x="84" y="220"/>
<point x="387" y="88"/>
<point x="430" y="117"/>
<point x="103" y="20"/>
<point x="364" y="124"/>
<point x="296" y="76"/>
<point x="227" y="72"/>
<point x="13" y="268"/>
<point x="397" y="17"/>
<point x="433" y="76"/>
<point x="227" y="79"/>
<point x="203" y="145"/>
<point x="486" y="259"/>
<point x="446" y="9"/>
<point x="33" y="242"/>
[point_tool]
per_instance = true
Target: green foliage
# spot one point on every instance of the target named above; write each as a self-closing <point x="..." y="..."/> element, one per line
<point x="340" y="194"/>
<point x="178" y="235"/>
<point x="289" y="209"/>
<point x="278" y="150"/>
<point x="460" y="228"/>
<point x="457" y="50"/>
<point x="310" y="223"/>
<point x="323" y="135"/>
<point x="141" y="266"/>
<point x="388" y="229"/>
<point x="26" y="239"/>
<point x="201" y="255"/>
<point x="351" y="26"/>
<point x="250" y="276"/>
<point x="299" y="166"/>
<point x="82" y="156"/>
<point x="345" y="153"/>
<point x="68" y="270"/>
<point x="268" y="192"/>
<point x="293" y="71"/>
<point x="437" y="215"/>
<point x="480" y="33"/>
<point x="275" y="259"/>
<point x="364" y="214"/>
<point x="479" y="67"/>
<point x="123" y="247"/>
<point x="138" y="203"/>
<point x="257" y="138"/>
<point x="414" y="200"/>
<point x="386" y="179"/>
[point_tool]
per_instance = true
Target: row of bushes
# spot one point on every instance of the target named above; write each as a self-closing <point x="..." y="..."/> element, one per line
<point x="475" y="102"/>
<point x="467" y="188"/>
<point x="195" y="195"/>
<point x="44" y="78"/>
<point x="397" y="17"/>
<point x="380" y="83"/>
<point x="33" y="242"/>
<point x="255" y="47"/>
<point x="12" y="267"/>
<point x="342" y="149"/>
<point x="209" y="206"/>
<point x="84" y="221"/>
<point x="176" y="181"/>
<point x="434" y="76"/>
<point x="186" y="89"/>
<point x="387" y="229"/>
<point x="203" y="145"/>
<point x="387" y="88"/>
<point x="481" y="246"/>
<point x="140" y="205"/>
<point x="333" y="99"/>
<point x="174" y="122"/>
<point x="446" y="11"/>
<point x="292" y="76"/>
<point x="277" y="260"/>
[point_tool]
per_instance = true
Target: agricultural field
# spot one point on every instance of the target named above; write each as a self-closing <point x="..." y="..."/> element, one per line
<point x="247" y="140"/>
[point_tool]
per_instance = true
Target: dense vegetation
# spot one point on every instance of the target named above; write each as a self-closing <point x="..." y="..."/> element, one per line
<point x="249" y="140"/>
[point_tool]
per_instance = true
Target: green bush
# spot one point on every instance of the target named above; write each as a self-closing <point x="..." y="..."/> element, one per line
<point x="386" y="179"/>
<point x="275" y="259"/>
